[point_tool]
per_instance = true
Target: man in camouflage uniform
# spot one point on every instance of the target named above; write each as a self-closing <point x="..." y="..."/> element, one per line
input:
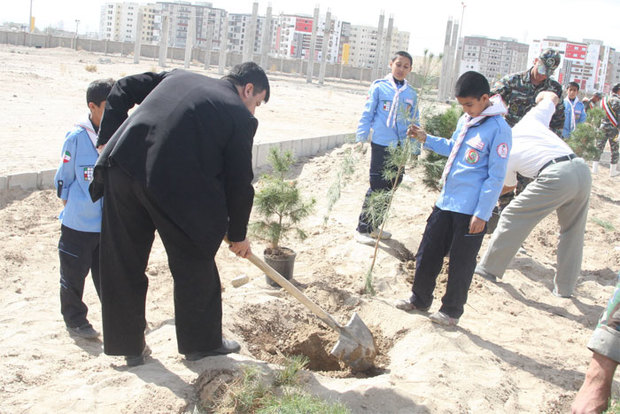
<point x="519" y="92"/>
<point x="609" y="126"/>
<point x="593" y="102"/>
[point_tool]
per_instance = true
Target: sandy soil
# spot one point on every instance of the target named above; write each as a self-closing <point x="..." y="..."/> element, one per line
<point x="47" y="87"/>
<point x="518" y="348"/>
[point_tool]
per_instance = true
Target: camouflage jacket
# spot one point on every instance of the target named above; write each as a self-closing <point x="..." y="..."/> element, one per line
<point x="605" y="339"/>
<point x="611" y="104"/>
<point x="519" y="94"/>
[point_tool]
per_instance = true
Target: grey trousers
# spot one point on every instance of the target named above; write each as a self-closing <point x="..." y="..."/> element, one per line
<point x="563" y="187"/>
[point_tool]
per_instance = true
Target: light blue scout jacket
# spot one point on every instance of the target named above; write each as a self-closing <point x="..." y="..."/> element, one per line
<point x="580" y="116"/>
<point x="73" y="177"/>
<point x="388" y="112"/>
<point x="477" y="175"/>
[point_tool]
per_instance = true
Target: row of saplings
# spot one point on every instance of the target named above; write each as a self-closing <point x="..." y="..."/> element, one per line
<point x="281" y="207"/>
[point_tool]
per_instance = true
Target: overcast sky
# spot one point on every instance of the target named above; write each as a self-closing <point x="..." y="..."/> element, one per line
<point x="524" y="20"/>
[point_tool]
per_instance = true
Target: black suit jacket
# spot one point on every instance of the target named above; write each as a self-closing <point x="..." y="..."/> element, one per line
<point x="190" y="143"/>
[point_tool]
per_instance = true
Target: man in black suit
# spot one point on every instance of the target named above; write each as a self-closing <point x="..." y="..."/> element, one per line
<point x="181" y="164"/>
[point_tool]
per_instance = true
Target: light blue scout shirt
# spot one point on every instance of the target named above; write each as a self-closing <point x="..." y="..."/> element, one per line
<point x="578" y="109"/>
<point x="73" y="178"/>
<point x="477" y="175"/>
<point x="389" y="111"/>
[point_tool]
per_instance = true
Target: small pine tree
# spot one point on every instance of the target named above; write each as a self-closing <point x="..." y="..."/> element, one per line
<point x="440" y="125"/>
<point x="583" y="139"/>
<point x="279" y="203"/>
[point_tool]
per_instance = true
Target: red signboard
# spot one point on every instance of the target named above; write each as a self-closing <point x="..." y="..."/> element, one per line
<point x="303" y="25"/>
<point x="576" y="51"/>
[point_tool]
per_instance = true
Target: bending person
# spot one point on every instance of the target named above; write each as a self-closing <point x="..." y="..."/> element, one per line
<point x="562" y="183"/>
<point x="181" y="164"/>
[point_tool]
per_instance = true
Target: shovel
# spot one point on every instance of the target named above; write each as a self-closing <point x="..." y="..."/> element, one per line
<point x="355" y="346"/>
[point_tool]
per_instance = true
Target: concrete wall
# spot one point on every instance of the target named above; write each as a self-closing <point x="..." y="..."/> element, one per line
<point x="294" y="66"/>
<point x="305" y="147"/>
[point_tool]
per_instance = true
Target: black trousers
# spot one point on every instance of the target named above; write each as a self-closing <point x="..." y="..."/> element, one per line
<point x="378" y="157"/>
<point x="446" y="232"/>
<point x="79" y="254"/>
<point x="130" y="218"/>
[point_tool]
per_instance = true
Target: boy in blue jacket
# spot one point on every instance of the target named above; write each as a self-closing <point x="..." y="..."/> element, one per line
<point x="574" y="111"/>
<point x="78" y="247"/>
<point x="391" y="106"/>
<point x="472" y="181"/>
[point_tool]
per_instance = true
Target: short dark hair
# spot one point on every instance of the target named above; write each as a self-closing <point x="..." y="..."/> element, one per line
<point x="249" y="72"/>
<point x="99" y="90"/>
<point x="616" y="88"/>
<point x="403" y="54"/>
<point x="574" y="84"/>
<point x="472" y="84"/>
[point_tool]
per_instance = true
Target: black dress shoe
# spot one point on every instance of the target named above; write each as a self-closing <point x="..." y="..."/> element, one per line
<point x="85" y="331"/>
<point x="135" y="360"/>
<point x="228" y="347"/>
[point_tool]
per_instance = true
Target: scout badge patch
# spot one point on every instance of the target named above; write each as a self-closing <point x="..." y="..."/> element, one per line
<point x="472" y="156"/>
<point x="502" y="150"/>
<point x="88" y="173"/>
<point x="66" y="157"/>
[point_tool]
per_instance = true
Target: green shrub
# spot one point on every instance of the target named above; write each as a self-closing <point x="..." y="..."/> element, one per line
<point x="440" y="125"/>
<point x="595" y="116"/>
<point x="583" y="141"/>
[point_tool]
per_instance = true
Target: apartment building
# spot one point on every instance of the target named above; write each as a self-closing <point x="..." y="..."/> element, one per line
<point x="119" y="22"/>
<point x="589" y="63"/>
<point x="291" y="34"/>
<point x="363" y="45"/>
<point x="292" y="37"/>
<point x="494" y="58"/>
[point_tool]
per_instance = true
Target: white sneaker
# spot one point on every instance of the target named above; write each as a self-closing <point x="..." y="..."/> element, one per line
<point x="364" y="238"/>
<point x="443" y="319"/>
<point x="385" y="235"/>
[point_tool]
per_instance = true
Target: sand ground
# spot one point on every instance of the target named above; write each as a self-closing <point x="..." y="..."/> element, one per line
<point x="518" y="348"/>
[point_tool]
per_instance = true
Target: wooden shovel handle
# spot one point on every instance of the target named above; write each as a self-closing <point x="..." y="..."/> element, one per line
<point x="290" y="288"/>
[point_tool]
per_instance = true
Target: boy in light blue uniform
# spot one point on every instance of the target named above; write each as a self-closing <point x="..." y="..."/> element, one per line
<point x="473" y="179"/>
<point x="574" y="111"/>
<point x="78" y="246"/>
<point x="391" y="106"/>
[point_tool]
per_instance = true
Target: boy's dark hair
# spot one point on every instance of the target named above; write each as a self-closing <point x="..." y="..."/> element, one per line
<point x="99" y="90"/>
<point x="249" y="72"/>
<point x="616" y="88"/>
<point x="573" y="84"/>
<point x="403" y="54"/>
<point x="472" y="85"/>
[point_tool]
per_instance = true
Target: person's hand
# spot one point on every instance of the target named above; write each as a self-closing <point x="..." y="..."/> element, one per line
<point x="547" y="95"/>
<point x="476" y="225"/>
<point x="100" y="148"/>
<point x="416" y="132"/>
<point x="593" y="396"/>
<point x="64" y="202"/>
<point x="590" y="400"/>
<point x="241" y="249"/>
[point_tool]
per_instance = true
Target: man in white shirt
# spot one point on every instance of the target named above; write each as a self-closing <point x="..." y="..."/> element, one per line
<point x="562" y="183"/>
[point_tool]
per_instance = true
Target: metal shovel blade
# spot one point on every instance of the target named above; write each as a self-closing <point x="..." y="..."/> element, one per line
<point x="356" y="345"/>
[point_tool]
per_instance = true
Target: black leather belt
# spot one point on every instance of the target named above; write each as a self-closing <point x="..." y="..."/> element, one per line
<point x="556" y="160"/>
